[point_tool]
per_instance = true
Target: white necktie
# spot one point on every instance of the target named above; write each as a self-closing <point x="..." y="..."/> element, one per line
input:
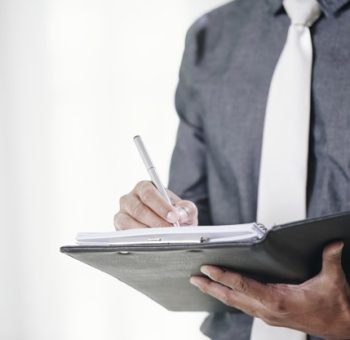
<point x="283" y="166"/>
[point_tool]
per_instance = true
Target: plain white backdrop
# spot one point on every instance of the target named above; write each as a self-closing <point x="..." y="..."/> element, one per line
<point x="79" y="78"/>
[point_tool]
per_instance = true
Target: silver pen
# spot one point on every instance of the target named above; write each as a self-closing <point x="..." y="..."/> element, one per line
<point x="152" y="171"/>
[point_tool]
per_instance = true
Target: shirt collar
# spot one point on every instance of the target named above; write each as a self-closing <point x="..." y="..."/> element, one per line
<point x="329" y="7"/>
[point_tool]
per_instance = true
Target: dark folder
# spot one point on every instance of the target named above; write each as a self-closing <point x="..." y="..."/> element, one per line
<point x="288" y="253"/>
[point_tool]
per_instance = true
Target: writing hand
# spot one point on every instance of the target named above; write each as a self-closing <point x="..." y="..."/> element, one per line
<point x="145" y="207"/>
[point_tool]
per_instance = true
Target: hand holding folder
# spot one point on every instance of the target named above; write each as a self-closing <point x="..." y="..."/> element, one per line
<point x="319" y="306"/>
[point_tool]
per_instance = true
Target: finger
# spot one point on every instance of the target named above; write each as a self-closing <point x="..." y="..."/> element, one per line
<point x="227" y="295"/>
<point x="187" y="211"/>
<point x="142" y="213"/>
<point x="124" y="221"/>
<point x="238" y="282"/>
<point x="173" y="197"/>
<point x="331" y="264"/>
<point x="152" y="198"/>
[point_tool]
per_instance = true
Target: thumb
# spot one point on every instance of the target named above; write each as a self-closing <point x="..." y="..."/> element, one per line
<point x="188" y="212"/>
<point x="331" y="264"/>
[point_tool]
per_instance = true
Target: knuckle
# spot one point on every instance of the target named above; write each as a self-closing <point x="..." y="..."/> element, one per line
<point x="205" y="288"/>
<point x="226" y="298"/>
<point x="147" y="195"/>
<point x="240" y="285"/>
<point x="208" y="287"/>
<point x="137" y="209"/>
<point x="219" y="276"/>
<point x="119" y="221"/>
<point x="115" y="221"/>
<point x="123" y="200"/>
<point x="267" y="316"/>
<point x="141" y="186"/>
<point x="279" y="305"/>
<point x="190" y="207"/>
<point x="334" y="282"/>
<point x="254" y="311"/>
<point x="271" y="320"/>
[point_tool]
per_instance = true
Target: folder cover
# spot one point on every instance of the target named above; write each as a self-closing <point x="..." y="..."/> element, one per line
<point x="288" y="253"/>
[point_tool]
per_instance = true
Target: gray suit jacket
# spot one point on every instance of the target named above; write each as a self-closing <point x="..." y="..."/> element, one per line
<point x="229" y="59"/>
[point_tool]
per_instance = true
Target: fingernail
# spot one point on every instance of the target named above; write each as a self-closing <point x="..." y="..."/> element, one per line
<point x="171" y="217"/>
<point x="205" y="271"/>
<point x="194" y="282"/>
<point x="339" y="248"/>
<point x="182" y="212"/>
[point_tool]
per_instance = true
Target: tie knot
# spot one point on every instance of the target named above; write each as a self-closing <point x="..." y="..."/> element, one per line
<point x="302" y="12"/>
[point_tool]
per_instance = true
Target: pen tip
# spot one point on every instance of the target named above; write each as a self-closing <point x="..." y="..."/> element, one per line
<point x="137" y="136"/>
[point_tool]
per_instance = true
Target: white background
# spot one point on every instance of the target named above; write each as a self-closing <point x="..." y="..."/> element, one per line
<point x="79" y="78"/>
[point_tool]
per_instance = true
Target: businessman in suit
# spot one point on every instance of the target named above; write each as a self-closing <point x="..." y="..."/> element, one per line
<point x="222" y="98"/>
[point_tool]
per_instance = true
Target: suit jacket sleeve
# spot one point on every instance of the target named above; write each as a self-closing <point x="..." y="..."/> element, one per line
<point x="188" y="170"/>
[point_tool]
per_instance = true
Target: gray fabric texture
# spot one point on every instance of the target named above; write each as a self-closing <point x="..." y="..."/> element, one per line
<point x="229" y="59"/>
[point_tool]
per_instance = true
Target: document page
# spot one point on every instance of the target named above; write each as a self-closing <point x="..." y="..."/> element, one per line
<point x="173" y="235"/>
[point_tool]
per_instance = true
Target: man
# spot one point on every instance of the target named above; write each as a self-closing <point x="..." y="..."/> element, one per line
<point x="223" y="100"/>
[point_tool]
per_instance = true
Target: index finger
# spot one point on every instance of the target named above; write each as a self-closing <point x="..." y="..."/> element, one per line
<point x="152" y="198"/>
<point x="227" y="296"/>
<point x="238" y="282"/>
<point x="187" y="210"/>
